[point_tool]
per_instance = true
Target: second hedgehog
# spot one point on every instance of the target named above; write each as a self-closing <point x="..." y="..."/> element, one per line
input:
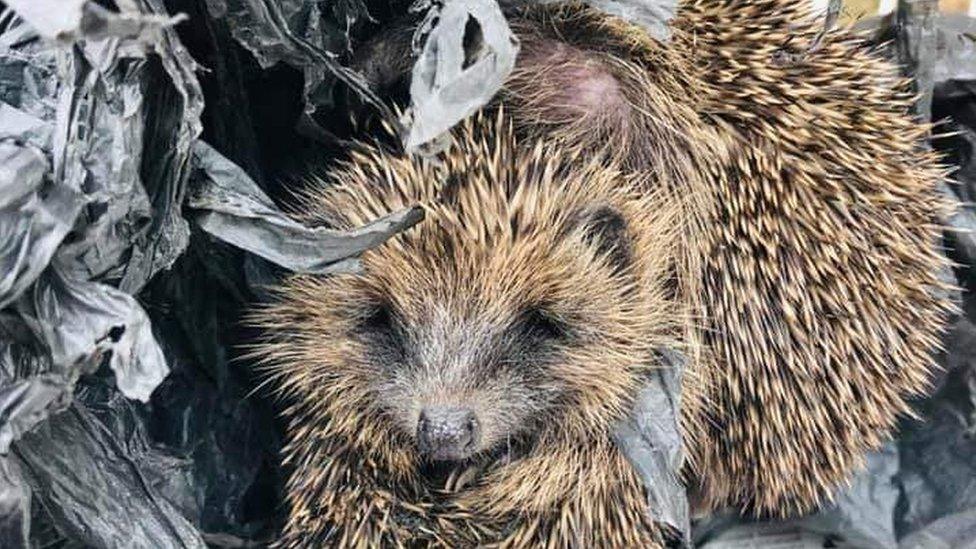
<point x="760" y="204"/>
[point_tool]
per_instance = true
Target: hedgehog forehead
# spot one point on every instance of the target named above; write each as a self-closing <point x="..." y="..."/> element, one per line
<point x="497" y="234"/>
<point x="503" y="223"/>
<point x="496" y="275"/>
<point x="485" y="179"/>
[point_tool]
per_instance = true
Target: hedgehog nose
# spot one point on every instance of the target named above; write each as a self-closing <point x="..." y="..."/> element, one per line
<point x="446" y="433"/>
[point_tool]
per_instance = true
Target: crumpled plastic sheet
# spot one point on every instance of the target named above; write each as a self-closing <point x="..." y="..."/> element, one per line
<point x="97" y="477"/>
<point x="295" y="32"/>
<point x="48" y="180"/>
<point x="938" y="472"/>
<point x="652" y="441"/>
<point x="84" y="323"/>
<point x="71" y="20"/>
<point x="949" y="532"/>
<point x="863" y="514"/>
<point x="87" y="219"/>
<point x="82" y="217"/>
<point x="652" y="15"/>
<point x="15" y="504"/>
<point x="465" y="59"/>
<point x="237" y="211"/>
<point x="47" y="217"/>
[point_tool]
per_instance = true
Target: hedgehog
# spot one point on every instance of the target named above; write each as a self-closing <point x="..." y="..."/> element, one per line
<point x="754" y="192"/>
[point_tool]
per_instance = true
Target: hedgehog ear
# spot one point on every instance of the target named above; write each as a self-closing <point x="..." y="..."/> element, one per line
<point x="606" y="228"/>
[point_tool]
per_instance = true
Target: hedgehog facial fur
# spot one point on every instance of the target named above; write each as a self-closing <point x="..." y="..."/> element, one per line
<point x="523" y="311"/>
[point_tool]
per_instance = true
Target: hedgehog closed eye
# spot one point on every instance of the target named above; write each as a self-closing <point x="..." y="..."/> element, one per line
<point x="378" y="320"/>
<point x="383" y="330"/>
<point x="542" y="325"/>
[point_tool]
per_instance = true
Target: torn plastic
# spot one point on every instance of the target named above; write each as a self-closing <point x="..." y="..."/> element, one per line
<point x="82" y="214"/>
<point x="863" y="513"/>
<point x="82" y="324"/>
<point x="32" y="223"/>
<point x="73" y="20"/>
<point x="236" y="210"/>
<point x="467" y="55"/>
<point x="653" y="15"/>
<point x="949" y="532"/>
<point x="88" y="208"/>
<point x="71" y="320"/>
<point x="653" y="444"/>
<point x="300" y="34"/>
<point x="860" y="516"/>
<point x="15" y="505"/>
<point x="938" y="474"/>
<point x="96" y="476"/>
<point x="132" y="228"/>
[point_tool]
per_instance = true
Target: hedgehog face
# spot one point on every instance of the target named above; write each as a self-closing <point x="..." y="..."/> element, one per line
<point x="488" y="347"/>
<point x="459" y="377"/>
<point x="500" y="339"/>
<point x="521" y="312"/>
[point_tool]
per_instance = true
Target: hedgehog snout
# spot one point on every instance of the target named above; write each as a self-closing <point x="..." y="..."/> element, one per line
<point x="448" y="433"/>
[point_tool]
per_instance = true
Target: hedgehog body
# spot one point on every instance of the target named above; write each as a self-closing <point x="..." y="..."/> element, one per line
<point x="750" y="193"/>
